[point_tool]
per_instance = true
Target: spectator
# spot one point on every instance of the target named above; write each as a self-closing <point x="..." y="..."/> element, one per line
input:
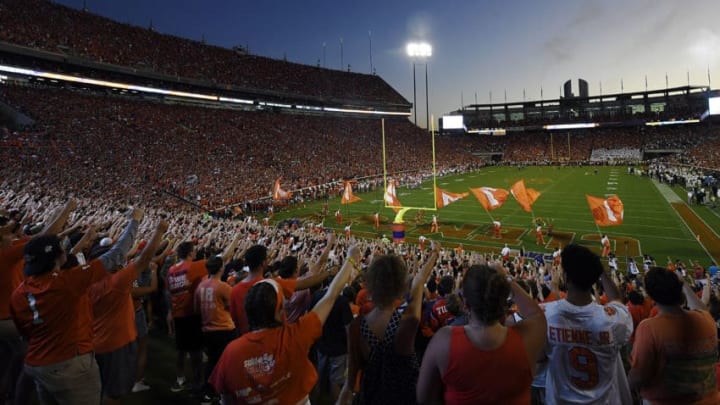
<point x="585" y="338"/>
<point x="331" y="347"/>
<point x="181" y="282"/>
<point x="113" y="322"/>
<point x="300" y="301"/>
<point x="439" y="315"/>
<point x="381" y="343"/>
<point x="674" y="356"/>
<point x="51" y="310"/>
<point x="455" y="306"/>
<point x="256" y="259"/>
<point x="212" y="302"/>
<point x="269" y="364"/>
<point x="485" y="361"/>
<point x="11" y="275"/>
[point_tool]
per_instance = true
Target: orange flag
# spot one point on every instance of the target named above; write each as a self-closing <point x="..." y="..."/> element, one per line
<point x="524" y="197"/>
<point x="391" y="199"/>
<point x="490" y="198"/>
<point x="279" y="193"/>
<point x="444" y="198"/>
<point x="606" y="211"/>
<point x="348" y="197"/>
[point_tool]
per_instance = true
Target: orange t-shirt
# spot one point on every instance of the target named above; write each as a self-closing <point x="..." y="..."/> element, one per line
<point x="113" y="311"/>
<point x="52" y="311"/>
<point x="671" y="346"/>
<point x="239" y="292"/>
<point x="213" y="298"/>
<point x="269" y="365"/>
<point x="11" y="273"/>
<point x="182" y="280"/>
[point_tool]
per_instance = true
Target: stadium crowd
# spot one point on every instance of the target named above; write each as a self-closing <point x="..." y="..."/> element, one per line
<point x="208" y="147"/>
<point x="95" y="246"/>
<point x="52" y="27"/>
<point x="424" y="324"/>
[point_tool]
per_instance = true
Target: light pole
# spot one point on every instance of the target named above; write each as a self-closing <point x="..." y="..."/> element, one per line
<point x="420" y="51"/>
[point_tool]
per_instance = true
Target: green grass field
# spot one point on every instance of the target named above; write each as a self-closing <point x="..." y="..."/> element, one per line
<point x="651" y="225"/>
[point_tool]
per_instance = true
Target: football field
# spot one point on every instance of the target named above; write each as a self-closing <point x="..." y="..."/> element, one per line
<point x="656" y="221"/>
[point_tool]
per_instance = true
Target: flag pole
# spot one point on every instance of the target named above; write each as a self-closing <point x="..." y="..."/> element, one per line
<point x="346" y="209"/>
<point x="489" y="214"/>
<point x="492" y="220"/>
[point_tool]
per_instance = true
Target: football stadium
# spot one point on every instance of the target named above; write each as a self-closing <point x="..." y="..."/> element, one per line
<point x="183" y="222"/>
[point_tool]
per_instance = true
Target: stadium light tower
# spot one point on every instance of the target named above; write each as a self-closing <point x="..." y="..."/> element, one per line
<point x="420" y="51"/>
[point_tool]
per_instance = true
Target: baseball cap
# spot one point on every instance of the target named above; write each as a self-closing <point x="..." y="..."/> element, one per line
<point x="105" y="242"/>
<point x="40" y="254"/>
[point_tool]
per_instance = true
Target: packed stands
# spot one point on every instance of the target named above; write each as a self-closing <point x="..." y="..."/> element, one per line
<point x="216" y="156"/>
<point x="55" y="28"/>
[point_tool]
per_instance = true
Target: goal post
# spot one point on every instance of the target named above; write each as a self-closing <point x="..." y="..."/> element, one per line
<point x="402" y="209"/>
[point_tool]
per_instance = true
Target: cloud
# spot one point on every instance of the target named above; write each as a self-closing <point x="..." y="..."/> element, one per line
<point x="703" y="47"/>
<point x="562" y="45"/>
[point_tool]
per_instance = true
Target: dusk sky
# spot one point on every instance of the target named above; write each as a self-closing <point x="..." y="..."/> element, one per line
<point x="478" y="46"/>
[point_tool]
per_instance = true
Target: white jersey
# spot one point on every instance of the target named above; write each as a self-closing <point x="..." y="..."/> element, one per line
<point x="633" y="268"/>
<point x="584" y="350"/>
<point x="505" y="251"/>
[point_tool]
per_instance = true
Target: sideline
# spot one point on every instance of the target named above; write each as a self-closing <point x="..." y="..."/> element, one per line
<point x="696" y="225"/>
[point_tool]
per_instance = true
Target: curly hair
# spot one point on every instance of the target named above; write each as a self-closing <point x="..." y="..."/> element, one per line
<point x="386" y="279"/>
<point x="486" y="292"/>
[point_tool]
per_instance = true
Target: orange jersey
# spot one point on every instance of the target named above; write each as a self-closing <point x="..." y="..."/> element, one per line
<point x="182" y="280"/>
<point x="239" y="292"/>
<point x="11" y="273"/>
<point x="213" y="298"/>
<point x="52" y="311"/>
<point x="113" y="311"/>
<point x="269" y="365"/>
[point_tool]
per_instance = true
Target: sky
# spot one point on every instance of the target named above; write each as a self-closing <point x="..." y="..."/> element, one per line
<point x="480" y="47"/>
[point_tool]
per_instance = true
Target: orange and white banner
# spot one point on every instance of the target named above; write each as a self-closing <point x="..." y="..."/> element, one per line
<point x="279" y="193"/>
<point x="606" y="211"/>
<point x="391" y="199"/>
<point x="490" y="198"/>
<point x="443" y="198"/>
<point x="348" y="197"/>
<point x="524" y="196"/>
